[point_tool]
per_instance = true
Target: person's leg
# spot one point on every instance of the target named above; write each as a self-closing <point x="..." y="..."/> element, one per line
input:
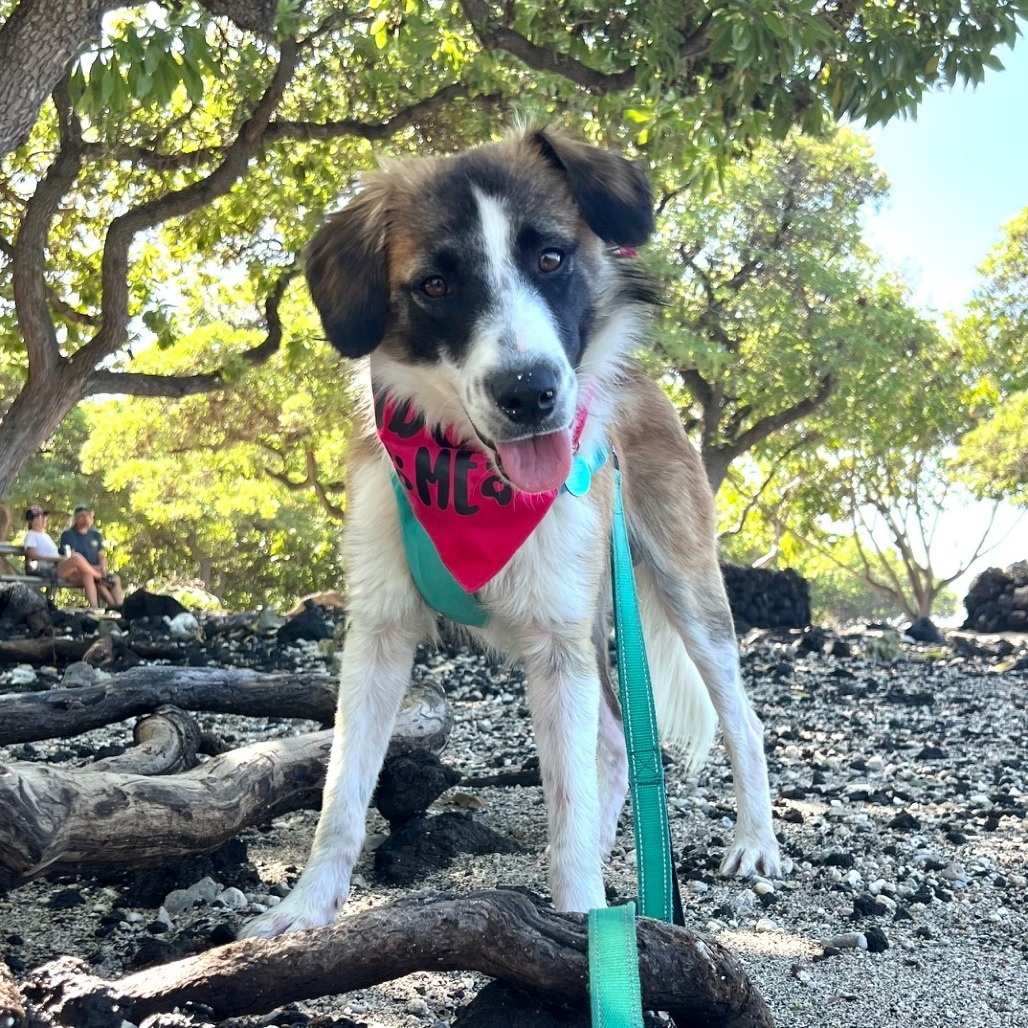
<point x="117" y="592"/>
<point x="80" y="574"/>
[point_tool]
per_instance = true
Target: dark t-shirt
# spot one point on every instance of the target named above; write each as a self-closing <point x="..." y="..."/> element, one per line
<point x="89" y="544"/>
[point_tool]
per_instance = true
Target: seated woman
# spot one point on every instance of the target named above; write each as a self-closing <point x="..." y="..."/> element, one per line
<point x="43" y="559"/>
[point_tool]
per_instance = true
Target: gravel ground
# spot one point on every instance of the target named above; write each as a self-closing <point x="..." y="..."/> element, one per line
<point x="901" y="796"/>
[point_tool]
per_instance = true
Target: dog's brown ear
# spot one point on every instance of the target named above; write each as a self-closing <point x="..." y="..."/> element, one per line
<point x="347" y="274"/>
<point x="612" y="193"/>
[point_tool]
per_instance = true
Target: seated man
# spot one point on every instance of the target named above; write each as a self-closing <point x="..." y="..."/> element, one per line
<point x="43" y="559"/>
<point x="87" y="541"/>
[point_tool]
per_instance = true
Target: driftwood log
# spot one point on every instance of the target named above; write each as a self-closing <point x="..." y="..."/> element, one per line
<point x="61" y="713"/>
<point x="109" y="815"/>
<point x="503" y="934"/>
<point x="57" y="820"/>
<point x="166" y="742"/>
<point x="424" y="721"/>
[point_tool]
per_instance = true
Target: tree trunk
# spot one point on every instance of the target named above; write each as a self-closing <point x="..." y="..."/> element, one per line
<point x="37" y="42"/>
<point x="37" y="410"/>
<point x="499" y="933"/>
<point x="41" y="37"/>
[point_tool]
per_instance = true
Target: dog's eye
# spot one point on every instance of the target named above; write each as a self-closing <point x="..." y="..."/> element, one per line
<point x="550" y="260"/>
<point x="435" y="287"/>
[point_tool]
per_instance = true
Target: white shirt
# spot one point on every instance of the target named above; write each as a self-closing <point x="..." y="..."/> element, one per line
<point x="42" y="544"/>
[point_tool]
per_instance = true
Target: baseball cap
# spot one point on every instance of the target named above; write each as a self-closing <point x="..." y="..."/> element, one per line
<point x="34" y="511"/>
<point x="82" y="508"/>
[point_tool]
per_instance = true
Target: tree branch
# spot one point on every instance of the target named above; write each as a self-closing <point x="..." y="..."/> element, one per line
<point x="133" y="383"/>
<point x="31" y="292"/>
<point x="771" y="423"/>
<point x="501" y="933"/>
<point x="311" y="481"/>
<point x="124" y="229"/>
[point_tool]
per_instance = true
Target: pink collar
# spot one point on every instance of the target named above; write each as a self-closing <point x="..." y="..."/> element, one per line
<point x="475" y="518"/>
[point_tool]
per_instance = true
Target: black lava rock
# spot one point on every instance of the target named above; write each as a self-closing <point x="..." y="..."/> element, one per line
<point x="430" y="843"/>
<point x="924" y="630"/>
<point x="309" y="624"/>
<point x="410" y="783"/>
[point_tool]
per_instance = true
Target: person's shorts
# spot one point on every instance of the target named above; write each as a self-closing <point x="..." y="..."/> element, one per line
<point x="48" y="572"/>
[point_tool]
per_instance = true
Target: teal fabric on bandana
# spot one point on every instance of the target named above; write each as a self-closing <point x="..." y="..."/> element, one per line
<point x="437" y="586"/>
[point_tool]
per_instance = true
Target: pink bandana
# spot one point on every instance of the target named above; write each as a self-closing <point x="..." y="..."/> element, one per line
<point x="475" y="518"/>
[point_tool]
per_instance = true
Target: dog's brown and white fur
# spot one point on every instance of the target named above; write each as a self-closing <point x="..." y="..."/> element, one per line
<point x="459" y="278"/>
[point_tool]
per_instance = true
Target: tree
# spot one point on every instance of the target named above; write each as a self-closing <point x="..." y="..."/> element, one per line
<point x="993" y="456"/>
<point x="779" y="315"/>
<point x="880" y="476"/>
<point x="240" y="488"/>
<point x="183" y="138"/>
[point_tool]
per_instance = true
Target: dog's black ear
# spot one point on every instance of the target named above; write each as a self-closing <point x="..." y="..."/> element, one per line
<point x="612" y="193"/>
<point x="347" y="274"/>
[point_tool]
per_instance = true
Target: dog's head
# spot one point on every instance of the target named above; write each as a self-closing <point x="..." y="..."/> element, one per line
<point x="485" y="285"/>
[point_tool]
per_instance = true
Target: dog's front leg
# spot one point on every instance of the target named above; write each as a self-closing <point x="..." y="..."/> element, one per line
<point x="375" y="674"/>
<point x="563" y="692"/>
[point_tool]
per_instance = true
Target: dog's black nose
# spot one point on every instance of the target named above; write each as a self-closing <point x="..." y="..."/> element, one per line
<point x="526" y="396"/>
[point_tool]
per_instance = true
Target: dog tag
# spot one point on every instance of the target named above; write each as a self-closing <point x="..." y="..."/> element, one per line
<point x="580" y="477"/>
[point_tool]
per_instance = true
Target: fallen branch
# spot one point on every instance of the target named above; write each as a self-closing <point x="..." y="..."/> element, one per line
<point x="43" y="650"/>
<point x="108" y="816"/>
<point x="58" y="820"/>
<point x="166" y="742"/>
<point x="61" y="713"/>
<point x="499" y="933"/>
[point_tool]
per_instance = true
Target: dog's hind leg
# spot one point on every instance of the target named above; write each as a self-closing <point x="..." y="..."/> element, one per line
<point x="670" y="515"/>
<point x="705" y="625"/>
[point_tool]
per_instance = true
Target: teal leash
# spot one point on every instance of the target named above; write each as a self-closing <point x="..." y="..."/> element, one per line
<point x="614" y="990"/>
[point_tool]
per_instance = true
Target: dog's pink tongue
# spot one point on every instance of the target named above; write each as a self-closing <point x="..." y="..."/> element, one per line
<point x="539" y="464"/>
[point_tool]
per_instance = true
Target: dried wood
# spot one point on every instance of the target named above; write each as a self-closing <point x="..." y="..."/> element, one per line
<point x="61" y="713"/>
<point x="166" y="742"/>
<point x="109" y="817"/>
<point x="59" y="819"/>
<point x="503" y="934"/>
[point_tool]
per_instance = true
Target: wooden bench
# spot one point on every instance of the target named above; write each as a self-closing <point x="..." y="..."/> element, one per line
<point x="12" y="557"/>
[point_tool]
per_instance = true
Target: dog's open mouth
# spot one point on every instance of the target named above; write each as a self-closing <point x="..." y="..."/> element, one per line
<point x="538" y="464"/>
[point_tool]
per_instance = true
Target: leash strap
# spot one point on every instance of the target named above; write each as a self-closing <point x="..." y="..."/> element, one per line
<point x="658" y="886"/>
<point x="615" y="997"/>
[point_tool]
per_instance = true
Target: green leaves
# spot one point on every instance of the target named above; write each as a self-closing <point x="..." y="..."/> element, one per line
<point x="143" y="63"/>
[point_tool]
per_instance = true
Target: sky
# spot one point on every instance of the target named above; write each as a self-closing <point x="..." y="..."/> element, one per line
<point x="957" y="173"/>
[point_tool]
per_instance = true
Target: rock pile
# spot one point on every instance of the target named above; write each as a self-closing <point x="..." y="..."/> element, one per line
<point x="998" y="600"/>
<point x="761" y="598"/>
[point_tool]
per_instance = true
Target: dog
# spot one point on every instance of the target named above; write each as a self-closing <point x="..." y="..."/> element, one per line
<point x="495" y="299"/>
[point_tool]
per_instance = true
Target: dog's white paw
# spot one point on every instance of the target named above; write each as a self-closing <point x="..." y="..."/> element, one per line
<point x="288" y="916"/>
<point x="750" y="857"/>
